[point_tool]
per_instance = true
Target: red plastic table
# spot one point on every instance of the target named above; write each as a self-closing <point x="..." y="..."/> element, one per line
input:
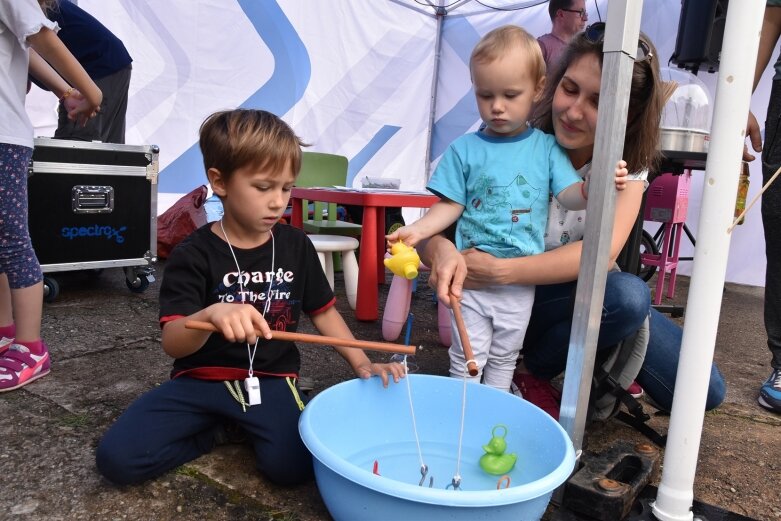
<point x="371" y="270"/>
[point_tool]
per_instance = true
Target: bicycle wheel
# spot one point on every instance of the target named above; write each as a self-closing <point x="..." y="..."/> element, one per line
<point x="647" y="245"/>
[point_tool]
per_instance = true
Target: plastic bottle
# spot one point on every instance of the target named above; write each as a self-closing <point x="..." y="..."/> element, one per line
<point x="740" y="202"/>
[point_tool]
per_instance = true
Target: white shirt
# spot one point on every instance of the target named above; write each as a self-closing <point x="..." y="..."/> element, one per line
<point x="565" y="226"/>
<point x="18" y="20"/>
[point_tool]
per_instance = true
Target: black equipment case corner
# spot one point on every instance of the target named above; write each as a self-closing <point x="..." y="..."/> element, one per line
<point x="92" y="206"/>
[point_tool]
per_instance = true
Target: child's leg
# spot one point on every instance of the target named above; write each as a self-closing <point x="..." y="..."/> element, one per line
<point x="17" y="257"/>
<point x="28" y="310"/>
<point x="6" y="313"/>
<point x="272" y="426"/>
<point x="511" y="307"/>
<point x="7" y="328"/>
<point x="164" y="428"/>
<point x="479" y="329"/>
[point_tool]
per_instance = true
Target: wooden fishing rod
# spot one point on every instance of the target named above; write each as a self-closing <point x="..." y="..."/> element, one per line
<point x="471" y="365"/>
<point x="317" y="339"/>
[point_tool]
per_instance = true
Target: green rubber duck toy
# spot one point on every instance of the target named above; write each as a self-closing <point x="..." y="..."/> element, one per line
<point x="495" y="461"/>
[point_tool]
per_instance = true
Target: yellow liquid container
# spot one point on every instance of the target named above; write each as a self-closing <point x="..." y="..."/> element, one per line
<point x="740" y="202"/>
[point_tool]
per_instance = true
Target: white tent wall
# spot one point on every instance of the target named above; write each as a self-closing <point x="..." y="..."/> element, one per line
<point x="351" y="77"/>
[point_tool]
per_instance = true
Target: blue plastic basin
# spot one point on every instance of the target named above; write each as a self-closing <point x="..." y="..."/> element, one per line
<point x="355" y="423"/>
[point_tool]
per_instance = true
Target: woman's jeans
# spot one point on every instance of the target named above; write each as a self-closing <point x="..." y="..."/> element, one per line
<point x="626" y="304"/>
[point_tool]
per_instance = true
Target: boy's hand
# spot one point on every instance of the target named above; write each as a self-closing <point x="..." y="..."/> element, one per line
<point x="366" y="370"/>
<point x="621" y="173"/>
<point x="409" y="235"/>
<point x="238" y="322"/>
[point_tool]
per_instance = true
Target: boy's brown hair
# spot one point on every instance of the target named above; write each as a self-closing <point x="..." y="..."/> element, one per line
<point x="499" y="41"/>
<point x="233" y="139"/>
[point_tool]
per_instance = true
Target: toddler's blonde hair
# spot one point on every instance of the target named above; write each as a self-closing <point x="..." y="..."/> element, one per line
<point x="499" y="41"/>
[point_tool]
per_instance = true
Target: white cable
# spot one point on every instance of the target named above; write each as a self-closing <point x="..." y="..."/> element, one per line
<point x="457" y="476"/>
<point x="251" y="350"/>
<point x="412" y="413"/>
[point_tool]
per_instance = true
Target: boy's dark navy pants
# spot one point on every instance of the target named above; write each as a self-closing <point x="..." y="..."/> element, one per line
<point x="175" y="423"/>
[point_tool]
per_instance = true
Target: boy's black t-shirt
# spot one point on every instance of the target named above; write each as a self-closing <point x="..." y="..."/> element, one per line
<point x="201" y="271"/>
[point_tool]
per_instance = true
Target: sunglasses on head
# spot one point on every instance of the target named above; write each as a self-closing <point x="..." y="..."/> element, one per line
<point x="595" y="33"/>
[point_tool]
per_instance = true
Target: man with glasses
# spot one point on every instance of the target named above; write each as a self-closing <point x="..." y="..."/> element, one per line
<point x="568" y="17"/>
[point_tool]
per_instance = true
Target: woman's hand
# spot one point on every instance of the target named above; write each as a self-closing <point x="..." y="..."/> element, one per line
<point x="448" y="268"/>
<point x="483" y="269"/>
<point x="367" y="369"/>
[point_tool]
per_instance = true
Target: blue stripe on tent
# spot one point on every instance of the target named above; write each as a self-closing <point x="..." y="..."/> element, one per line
<point x="292" y="71"/>
<point x="459" y="34"/>
<point x="367" y="152"/>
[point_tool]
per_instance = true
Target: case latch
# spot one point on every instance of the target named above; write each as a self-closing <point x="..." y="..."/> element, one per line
<point x="92" y="199"/>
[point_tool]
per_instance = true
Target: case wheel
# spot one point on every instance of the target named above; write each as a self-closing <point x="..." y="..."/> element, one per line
<point x="138" y="280"/>
<point x="138" y="284"/>
<point x="51" y="289"/>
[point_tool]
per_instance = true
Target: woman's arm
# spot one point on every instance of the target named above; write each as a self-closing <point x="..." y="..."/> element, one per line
<point x="558" y="265"/>
<point x="448" y="268"/>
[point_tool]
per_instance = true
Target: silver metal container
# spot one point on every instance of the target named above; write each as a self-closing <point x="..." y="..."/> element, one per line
<point x="684" y="140"/>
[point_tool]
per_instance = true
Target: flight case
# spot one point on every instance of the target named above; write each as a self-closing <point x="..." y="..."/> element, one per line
<point x="92" y="206"/>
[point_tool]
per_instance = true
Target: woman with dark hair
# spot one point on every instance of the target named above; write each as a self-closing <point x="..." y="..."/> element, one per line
<point x="569" y="110"/>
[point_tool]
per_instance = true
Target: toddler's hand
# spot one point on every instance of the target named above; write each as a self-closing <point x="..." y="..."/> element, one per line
<point x="238" y="322"/>
<point x="409" y="235"/>
<point x="621" y="173"/>
<point x="366" y="370"/>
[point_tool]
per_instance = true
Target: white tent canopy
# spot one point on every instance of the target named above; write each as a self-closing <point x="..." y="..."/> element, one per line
<point x="352" y="77"/>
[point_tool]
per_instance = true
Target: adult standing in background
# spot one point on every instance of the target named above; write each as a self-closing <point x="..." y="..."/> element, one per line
<point x="107" y="62"/>
<point x="770" y="392"/>
<point x="568" y="17"/>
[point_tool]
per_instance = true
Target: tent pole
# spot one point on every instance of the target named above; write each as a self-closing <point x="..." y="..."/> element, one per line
<point x="733" y="94"/>
<point x="620" y="47"/>
<point x="441" y="13"/>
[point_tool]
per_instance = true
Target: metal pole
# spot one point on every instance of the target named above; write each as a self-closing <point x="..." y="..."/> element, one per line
<point x="733" y="94"/>
<point x="440" y="14"/>
<point x="620" y="46"/>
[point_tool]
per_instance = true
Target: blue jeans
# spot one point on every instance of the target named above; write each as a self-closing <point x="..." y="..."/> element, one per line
<point x="175" y="423"/>
<point x="657" y="375"/>
<point x="626" y="304"/>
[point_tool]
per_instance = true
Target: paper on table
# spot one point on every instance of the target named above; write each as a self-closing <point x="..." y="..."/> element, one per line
<point x="381" y="190"/>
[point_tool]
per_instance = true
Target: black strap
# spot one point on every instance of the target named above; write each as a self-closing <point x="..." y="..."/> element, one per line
<point x="637" y="417"/>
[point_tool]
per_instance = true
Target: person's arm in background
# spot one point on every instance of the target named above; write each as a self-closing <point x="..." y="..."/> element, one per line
<point x="51" y="51"/>
<point x="771" y="31"/>
<point x="450" y="270"/>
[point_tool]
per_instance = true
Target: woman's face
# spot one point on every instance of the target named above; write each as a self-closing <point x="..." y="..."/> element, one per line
<point x="574" y="108"/>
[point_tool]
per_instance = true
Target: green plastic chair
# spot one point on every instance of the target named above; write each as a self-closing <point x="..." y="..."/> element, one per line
<point x="320" y="169"/>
